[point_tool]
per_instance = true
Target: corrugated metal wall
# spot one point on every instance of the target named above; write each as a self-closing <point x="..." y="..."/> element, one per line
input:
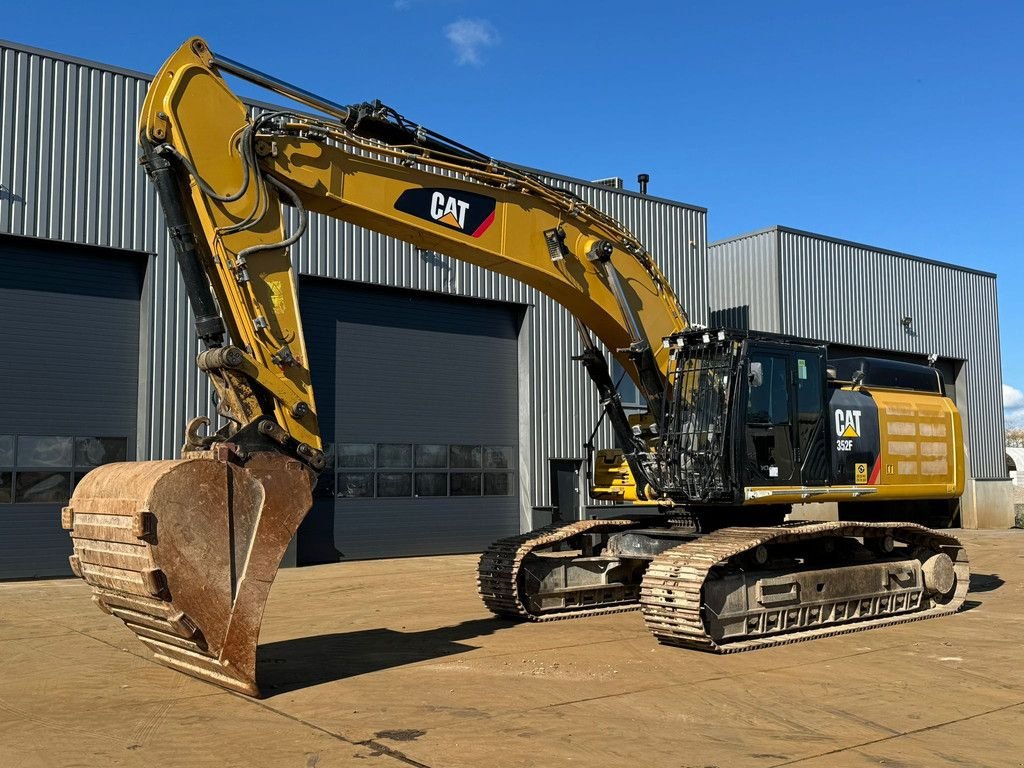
<point x="856" y="295"/>
<point x="68" y="172"/>
<point x="744" y="282"/>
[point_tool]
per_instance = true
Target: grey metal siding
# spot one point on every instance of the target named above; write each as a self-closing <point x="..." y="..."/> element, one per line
<point x="743" y="282"/>
<point x="70" y="323"/>
<point x="410" y="367"/>
<point x="68" y="172"/>
<point x="857" y="295"/>
<point x="67" y="162"/>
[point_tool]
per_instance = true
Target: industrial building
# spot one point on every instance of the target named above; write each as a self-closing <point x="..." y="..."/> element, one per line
<point x="864" y="300"/>
<point x="448" y="392"/>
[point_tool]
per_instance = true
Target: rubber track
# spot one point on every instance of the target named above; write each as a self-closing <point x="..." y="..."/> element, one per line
<point x="498" y="570"/>
<point x="671" y="594"/>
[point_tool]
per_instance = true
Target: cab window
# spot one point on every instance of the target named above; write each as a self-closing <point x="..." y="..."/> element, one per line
<point x="768" y="402"/>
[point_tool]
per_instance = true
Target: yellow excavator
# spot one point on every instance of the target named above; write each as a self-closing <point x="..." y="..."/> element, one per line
<point x="739" y="428"/>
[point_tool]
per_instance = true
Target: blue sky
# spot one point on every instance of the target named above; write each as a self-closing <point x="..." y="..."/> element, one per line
<point x="895" y="124"/>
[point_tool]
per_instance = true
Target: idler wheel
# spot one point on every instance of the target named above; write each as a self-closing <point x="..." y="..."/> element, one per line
<point x="939" y="577"/>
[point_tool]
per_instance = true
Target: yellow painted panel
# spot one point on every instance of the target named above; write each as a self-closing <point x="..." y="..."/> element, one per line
<point x="929" y="455"/>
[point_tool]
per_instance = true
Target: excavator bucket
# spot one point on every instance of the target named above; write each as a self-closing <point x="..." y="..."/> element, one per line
<point x="184" y="552"/>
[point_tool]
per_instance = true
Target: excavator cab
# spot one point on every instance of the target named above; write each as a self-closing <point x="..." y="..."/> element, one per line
<point x="759" y="419"/>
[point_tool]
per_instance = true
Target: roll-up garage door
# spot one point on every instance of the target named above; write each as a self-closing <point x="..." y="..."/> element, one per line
<point x="69" y="321"/>
<point x="418" y="395"/>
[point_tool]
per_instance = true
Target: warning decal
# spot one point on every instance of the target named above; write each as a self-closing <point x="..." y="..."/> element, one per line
<point x="861" y="473"/>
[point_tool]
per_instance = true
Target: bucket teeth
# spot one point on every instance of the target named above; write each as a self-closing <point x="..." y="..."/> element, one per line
<point x="184" y="553"/>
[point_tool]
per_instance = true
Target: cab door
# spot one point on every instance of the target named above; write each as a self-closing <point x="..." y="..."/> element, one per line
<point x="808" y="366"/>
<point x="769" y="439"/>
<point x="785" y="425"/>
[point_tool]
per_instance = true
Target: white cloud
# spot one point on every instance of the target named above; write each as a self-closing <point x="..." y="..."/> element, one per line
<point x="469" y="37"/>
<point x="401" y="5"/>
<point x="1013" y="406"/>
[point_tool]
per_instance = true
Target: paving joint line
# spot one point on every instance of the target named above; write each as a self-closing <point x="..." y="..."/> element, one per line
<point x="35" y="637"/>
<point x="401" y="757"/>
<point x="371" y="743"/>
<point x="914" y="732"/>
<point x="383" y="748"/>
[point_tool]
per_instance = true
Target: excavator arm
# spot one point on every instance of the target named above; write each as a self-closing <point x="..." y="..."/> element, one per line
<point x="223" y="176"/>
<point x="185" y="551"/>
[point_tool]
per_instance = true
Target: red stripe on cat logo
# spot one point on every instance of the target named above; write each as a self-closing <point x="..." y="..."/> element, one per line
<point x="483" y="227"/>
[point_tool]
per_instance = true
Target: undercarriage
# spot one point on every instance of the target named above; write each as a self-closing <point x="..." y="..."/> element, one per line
<point x="734" y="588"/>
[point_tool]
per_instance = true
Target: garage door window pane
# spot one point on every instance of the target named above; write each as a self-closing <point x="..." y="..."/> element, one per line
<point x="465" y="456"/>
<point x="76" y="478"/>
<point x="465" y="484"/>
<point x="431" y="484"/>
<point x="355" y="485"/>
<point x="37" y="487"/>
<point x="36" y="451"/>
<point x="497" y="484"/>
<point x="6" y="478"/>
<point x="394" y="484"/>
<point x="394" y="456"/>
<point x="497" y="457"/>
<point x="6" y="450"/>
<point x="324" y="488"/>
<point x="95" y="451"/>
<point x="432" y="456"/>
<point x="355" y="455"/>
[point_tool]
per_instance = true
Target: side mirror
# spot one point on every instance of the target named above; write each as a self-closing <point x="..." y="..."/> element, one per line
<point x="756" y="375"/>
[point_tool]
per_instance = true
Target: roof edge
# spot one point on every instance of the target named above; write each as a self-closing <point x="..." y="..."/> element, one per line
<point x="855" y="244"/>
<point x="115" y="70"/>
<point x="743" y="235"/>
<point x="4" y="43"/>
<point x="626" y="192"/>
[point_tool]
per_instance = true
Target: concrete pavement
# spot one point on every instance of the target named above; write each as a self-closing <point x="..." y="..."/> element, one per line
<point x="396" y="663"/>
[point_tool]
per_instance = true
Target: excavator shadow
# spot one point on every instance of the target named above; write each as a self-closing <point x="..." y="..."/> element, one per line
<point x="985" y="582"/>
<point x="302" y="662"/>
<point x="980" y="583"/>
